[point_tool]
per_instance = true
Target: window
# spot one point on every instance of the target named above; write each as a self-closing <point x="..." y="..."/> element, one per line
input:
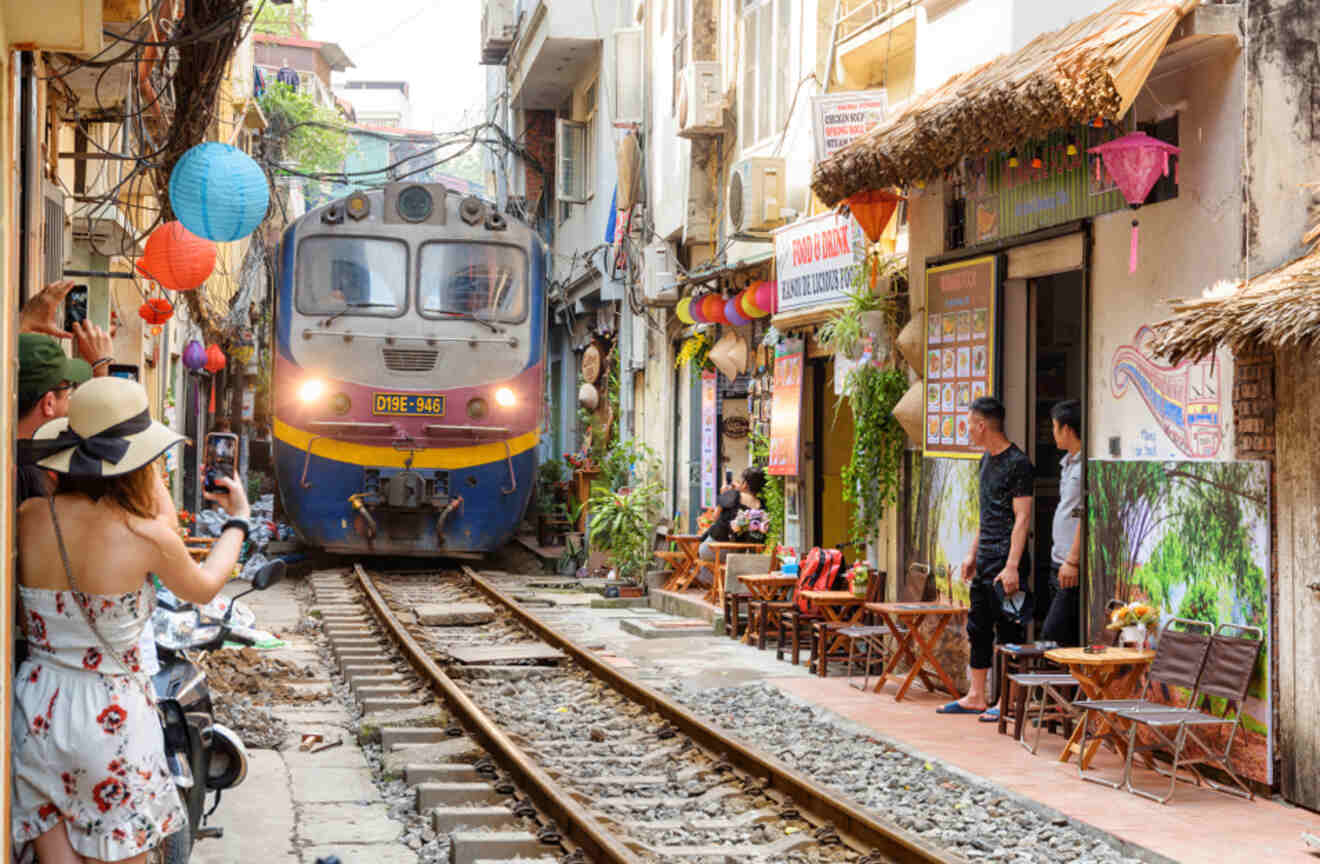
<point x="767" y="69"/>
<point x="680" y="51"/>
<point x="480" y="280"/>
<point x="352" y="276"/>
<point x="1165" y="188"/>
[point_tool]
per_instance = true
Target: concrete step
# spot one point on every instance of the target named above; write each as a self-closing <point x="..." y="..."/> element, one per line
<point x="447" y="819"/>
<point x="469" y="847"/>
<point x="452" y="772"/>
<point x="431" y="795"/>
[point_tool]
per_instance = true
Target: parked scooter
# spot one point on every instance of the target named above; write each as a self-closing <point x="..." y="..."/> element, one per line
<point x="203" y="755"/>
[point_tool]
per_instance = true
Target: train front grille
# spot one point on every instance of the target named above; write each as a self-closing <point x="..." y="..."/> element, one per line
<point x="409" y="359"/>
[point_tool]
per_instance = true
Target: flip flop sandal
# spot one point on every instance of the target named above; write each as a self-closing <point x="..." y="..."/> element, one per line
<point x="955" y="708"/>
<point x="991" y="715"/>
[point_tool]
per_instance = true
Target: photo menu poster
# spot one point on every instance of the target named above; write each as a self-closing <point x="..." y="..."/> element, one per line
<point x="709" y="452"/>
<point x="786" y="407"/>
<point x="960" y="355"/>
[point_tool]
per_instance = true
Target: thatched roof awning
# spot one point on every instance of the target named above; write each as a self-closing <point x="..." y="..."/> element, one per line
<point x="1093" y="68"/>
<point x="1278" y="309"/>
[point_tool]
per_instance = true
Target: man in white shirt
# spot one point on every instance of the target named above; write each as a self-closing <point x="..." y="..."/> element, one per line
<point x="1062" y="622"/>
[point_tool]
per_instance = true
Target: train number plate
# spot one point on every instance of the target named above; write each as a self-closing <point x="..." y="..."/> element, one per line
<point x="407" y="404"/>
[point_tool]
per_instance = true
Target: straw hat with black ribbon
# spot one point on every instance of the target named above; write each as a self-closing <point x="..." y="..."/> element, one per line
<point x="109" y="432"/>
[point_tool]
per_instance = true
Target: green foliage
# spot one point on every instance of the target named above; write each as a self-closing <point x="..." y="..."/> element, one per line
<point x="772" y="493"/>
<point x="275" y="19"/>
<point x="843" y="333"/>
<point x="307" y="148"/>
<point x="548" y="474"/>
<point x="622" y="526"/>
<point x="871" y="478"/>
<point x="627" y="462"/>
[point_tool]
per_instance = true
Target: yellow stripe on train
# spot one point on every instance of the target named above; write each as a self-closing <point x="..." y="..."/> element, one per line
<point x="446" y="458"/>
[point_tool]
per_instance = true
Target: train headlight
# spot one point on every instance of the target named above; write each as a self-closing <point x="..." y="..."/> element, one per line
<point x="357" y="205"/>
<point x="415" y="204"/>
<point x="311" y="390"/>
<point x="340" y="403"/>
<point x="504" y="397"/>
<point x="477" y="408"/>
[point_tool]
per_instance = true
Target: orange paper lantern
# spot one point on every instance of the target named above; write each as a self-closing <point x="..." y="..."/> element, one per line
<point x="177" y="258"/>
<point x="712" y="307"/>
<point x="873" y="209"/>
<point x="215" y="359"/>
<point x="157" y="310"/>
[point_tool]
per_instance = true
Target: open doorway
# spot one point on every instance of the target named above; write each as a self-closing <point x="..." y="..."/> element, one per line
<point x="828" y="433"/>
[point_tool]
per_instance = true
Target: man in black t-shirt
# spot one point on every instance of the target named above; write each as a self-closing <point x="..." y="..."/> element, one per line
<point x="997" y="562"/>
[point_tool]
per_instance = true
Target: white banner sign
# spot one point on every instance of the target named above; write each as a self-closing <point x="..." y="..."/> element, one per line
<point x="815" y="260"/>
<point x="839" y="119"/>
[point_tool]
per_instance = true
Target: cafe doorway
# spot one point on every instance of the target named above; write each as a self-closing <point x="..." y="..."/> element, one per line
<point x="1046" y="314"/>
<point x="828" y="443"/>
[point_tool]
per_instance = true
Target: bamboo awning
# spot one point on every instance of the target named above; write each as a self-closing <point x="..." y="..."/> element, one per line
<point x="1278" y="309"/>
<point x="1093" y="68"/>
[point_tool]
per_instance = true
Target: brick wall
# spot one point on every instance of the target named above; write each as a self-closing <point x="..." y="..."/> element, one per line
<point x="539" y="138"/>
<point x="1253" y="422"/>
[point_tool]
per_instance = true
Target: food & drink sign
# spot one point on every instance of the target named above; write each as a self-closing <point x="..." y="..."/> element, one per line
<point x="816" y="259"/>
<point x="960" y="356"/>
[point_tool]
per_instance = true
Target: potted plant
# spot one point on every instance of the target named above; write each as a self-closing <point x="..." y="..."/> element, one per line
<point x="865" y="313"/>
<point x="859" y="577"/>
<point x="1134" y="621"/>
<point x="623" y="525"/>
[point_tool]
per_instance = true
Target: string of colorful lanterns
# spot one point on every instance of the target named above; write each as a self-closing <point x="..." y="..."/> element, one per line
<point x="756" y="301"/>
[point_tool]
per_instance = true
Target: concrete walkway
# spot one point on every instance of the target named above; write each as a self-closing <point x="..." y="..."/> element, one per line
<point x="296" y="807"/>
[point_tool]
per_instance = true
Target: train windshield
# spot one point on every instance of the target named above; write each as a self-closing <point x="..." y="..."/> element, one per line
<point x="482" y="280"/>
<point x="352" y="276"/>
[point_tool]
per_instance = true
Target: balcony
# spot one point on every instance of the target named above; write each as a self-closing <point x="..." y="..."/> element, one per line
<point x="499" y="26"/>
<point x="555" y="47"/>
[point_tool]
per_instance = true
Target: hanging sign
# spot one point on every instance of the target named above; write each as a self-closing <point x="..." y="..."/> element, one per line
<point x="960" y="351"/>
<point x="840" y="119"/>
<point x="786" y="408"/>
<point x="709" y="426"/>
<point x="816" y="259"/>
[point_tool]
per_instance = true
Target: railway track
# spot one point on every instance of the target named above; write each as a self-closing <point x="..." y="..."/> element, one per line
<point x="581" y="762"/>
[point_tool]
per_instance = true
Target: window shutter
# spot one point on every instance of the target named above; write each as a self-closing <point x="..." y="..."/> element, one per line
<point x="571" y="161"/>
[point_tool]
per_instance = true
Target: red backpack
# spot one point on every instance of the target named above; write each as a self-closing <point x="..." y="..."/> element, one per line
<point x="819" y="570"/>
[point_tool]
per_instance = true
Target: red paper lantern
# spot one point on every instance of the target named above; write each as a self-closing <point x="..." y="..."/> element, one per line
<point x="873" y="209"/>
<point x="157" y="310"/>
<point x="215" y="359"/>
<point x="713" y="307"/>
<point x="177" y="258"/>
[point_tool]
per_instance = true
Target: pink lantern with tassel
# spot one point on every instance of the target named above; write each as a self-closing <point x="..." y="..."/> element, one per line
<point x="1136" y="162"/>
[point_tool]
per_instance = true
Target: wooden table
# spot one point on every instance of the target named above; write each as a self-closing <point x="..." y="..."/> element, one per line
<point x="904" y="622"/>
<point x="715" y="594"/>
<point x="685" y="562"/>
<point x="767" y="588"/>
<point x="838" y="607"/>
<point x="1114" y="673"/>
<point x="199" y="547"/>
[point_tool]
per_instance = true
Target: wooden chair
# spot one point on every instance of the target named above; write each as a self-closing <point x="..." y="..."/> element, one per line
<point x="759" y="611"/>
<point x="735" y="593"/>
<point x="846" y="636"/>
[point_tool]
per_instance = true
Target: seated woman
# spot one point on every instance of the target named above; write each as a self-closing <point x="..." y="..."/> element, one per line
<point x="743" y="495"/>
<point x="90" y="779"/>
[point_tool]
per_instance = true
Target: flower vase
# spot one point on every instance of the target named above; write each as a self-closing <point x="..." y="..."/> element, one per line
<point x="1132" y="636"/>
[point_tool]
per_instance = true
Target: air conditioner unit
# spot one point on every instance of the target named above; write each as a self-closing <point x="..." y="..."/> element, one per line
<point x="628" y="76"/>
<point x="55" y="233"/>
<point x="757" y="194"/>
<point x="700" y="105"/>
<point x="499" y="26"/>
<point x="659" y="275"/>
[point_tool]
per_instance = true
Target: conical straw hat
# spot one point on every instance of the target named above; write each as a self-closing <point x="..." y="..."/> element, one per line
<point x="909" y="410"/>
<point x="912" y="344"/>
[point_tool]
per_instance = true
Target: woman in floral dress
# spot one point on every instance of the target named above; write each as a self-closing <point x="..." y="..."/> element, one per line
<point x="90" y="778"/>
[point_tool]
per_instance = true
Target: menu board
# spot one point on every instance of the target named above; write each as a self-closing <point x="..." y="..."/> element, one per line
<point x="960" y="351"/>
<point x="709" y="423"/>
<point x="786" y="407"/>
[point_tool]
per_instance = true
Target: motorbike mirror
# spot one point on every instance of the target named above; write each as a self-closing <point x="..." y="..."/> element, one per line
<point x="269" y="575"/>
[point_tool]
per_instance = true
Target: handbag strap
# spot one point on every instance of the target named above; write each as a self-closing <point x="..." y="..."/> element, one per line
<point x="87" y="616"/>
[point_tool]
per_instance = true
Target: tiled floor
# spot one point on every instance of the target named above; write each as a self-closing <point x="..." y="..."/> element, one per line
<point x="1198" y="825"/>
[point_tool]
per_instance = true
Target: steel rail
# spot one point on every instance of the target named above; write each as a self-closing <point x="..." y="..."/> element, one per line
<point x="887" y="838"/>
<point x="574" y="821"/>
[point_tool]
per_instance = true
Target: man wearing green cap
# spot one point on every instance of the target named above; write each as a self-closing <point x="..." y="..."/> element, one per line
<point x="47" y="376"/>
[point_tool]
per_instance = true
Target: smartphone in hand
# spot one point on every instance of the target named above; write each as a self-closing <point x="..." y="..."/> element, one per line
<point x="75" y="307"/>
<point x="221" y="459"/>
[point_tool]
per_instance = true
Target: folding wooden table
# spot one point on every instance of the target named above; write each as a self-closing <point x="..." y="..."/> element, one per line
<point x="683" y="560"/>
<point x="904" y="622"/>
<point x="1114" y="673"/>
<point x="837" y="607"/>
<point x="767" y="589"/>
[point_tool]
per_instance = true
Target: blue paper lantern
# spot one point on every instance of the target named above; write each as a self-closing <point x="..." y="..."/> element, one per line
<point x="219" y="192"/>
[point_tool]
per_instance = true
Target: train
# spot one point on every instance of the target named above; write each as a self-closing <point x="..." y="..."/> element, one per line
<point x="409" y="372"/>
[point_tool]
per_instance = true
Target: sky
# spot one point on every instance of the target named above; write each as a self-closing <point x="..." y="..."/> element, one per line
<point x="434" y="45"/>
